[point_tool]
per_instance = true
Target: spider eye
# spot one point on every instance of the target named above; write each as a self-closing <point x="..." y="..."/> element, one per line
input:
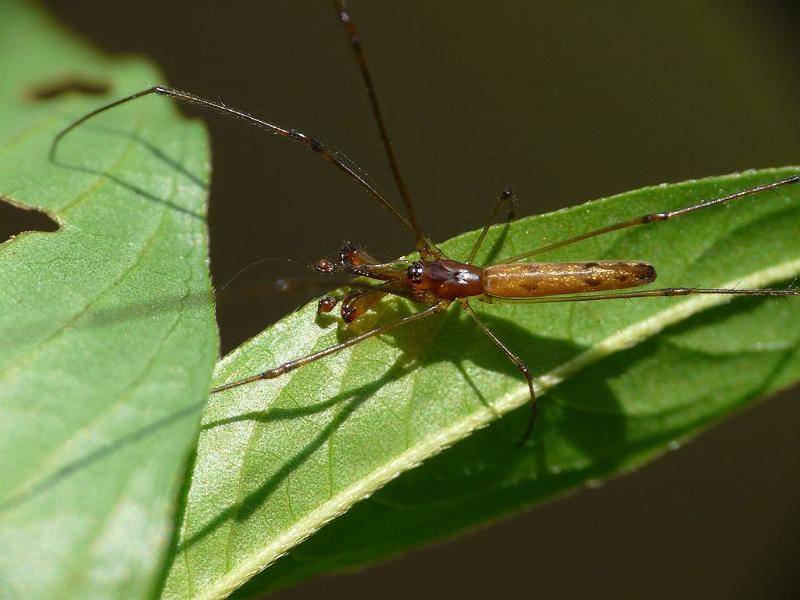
<point x="348" y="255"/>
<point x="414" y="272"/>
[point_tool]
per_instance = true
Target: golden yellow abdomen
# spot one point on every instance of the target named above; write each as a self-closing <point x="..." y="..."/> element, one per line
<point x="528" y="280"/>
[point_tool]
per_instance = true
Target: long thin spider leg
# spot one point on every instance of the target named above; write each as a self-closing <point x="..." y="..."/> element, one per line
<point x="323" y="150"/>
<point x="505" y="197"/>
<point x="251" y="292"/>
<point x="654" y="217"/>
<point x="521" y="367"/>
<point x="650" y="294"/>
<point x="424" y="246"/>
<point x="299" y="362"/>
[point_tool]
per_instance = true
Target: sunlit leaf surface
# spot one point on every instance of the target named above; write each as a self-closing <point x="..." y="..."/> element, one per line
<point x="621" y="381"/>
<point x="107" y="336"/>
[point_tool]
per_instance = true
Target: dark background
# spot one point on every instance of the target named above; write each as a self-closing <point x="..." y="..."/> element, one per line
<point x="567" y="101"/>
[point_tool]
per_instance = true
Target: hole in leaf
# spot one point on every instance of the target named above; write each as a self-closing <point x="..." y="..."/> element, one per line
<point x="68" y="84"/>
<point x="15" y="220"/>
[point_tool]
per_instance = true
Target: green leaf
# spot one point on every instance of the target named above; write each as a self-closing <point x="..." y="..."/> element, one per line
<point x="107" y="335"/>
<point x="620" y="382"/>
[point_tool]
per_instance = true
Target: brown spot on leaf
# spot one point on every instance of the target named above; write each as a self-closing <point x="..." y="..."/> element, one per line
<point x="67" y="84"/>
